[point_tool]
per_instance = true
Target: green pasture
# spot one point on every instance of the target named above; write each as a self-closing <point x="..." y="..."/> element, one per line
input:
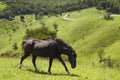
<point x="87" y="34"/>
<point x="9" y="71"/>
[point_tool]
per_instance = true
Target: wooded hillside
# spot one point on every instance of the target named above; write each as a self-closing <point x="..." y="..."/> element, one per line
<point x="53" y="7"/>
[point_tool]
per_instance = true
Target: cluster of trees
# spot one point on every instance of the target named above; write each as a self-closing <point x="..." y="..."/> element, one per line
<point x="51" y="7"/>
<point x="40" y="33"/>
<point x="115" y="6"/>
<point x="109" y="5"/>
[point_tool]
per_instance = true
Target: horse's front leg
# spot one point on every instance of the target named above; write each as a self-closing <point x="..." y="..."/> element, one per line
<point x="33" y="61"/>
<point x="50" y="64"/>
<point x="61" y="60"/>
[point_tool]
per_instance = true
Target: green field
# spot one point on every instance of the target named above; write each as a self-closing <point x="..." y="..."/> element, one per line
<point x="9" y="71"/>
<point x="87" y="34"/>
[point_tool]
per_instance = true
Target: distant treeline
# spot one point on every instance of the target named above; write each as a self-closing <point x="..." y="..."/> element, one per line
<point x="52" y="7"/>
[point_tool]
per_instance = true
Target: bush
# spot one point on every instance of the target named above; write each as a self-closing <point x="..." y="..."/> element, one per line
<point x="107" y="62"/>
<point x="7" y="14"/>
<point x="22" y="18"/>
<point x="14" y="46"/>
<point x="39" y="33"/>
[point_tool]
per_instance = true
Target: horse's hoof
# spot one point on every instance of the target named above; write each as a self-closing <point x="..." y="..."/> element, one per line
<point x="49" y="72"/>
<point x="37" y="71"/>
<point x="68" y="73"/>
<point x="18" y="65"/>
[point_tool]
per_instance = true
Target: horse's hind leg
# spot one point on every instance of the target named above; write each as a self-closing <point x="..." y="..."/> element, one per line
<point x="33" y="61"/>
<point x="23" y="58"/>
<point x="50" y="64"/>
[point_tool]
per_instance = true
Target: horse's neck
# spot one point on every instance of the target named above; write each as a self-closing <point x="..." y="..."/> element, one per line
<point x="66" y="54"/>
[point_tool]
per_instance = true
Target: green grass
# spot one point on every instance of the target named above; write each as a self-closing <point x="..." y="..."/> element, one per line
<point x="90" y="31"/>
<point x="9" y="71"/>
<point x="9" y="37"/>
<point x="86" y="34"/>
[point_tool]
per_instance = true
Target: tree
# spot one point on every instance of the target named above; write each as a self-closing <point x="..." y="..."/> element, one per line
<point x="7" y="14"/>
<point x="22" y="18"/>
<point x="40" y="33"/>
<point x="15" y="47"/>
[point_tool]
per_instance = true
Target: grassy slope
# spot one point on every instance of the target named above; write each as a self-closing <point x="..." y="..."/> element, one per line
<point x="9" y="37"/>
<point x="90" y="31"/>
<point x="86" y="34"/>
<point x="8" y="70"/>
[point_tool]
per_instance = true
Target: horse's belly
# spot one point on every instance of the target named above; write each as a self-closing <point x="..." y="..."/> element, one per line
<point x="44" y="52"/>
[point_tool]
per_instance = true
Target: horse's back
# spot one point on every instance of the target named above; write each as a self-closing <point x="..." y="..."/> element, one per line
<point x="44" y="48"/>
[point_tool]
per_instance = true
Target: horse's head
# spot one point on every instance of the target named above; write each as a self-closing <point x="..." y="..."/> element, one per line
<point x="71" y="56"/>
<point x="72" y="59"/>
<point x="68" y="50"/>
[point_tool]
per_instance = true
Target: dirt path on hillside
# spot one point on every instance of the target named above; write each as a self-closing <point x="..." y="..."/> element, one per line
<point x="115" y="15"/>
<point x="67" y="17"/>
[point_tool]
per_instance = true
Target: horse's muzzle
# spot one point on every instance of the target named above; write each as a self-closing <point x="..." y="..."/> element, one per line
<point x="73" y="67"/>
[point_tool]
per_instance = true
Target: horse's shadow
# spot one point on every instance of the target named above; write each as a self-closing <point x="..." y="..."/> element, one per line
<point x="52" y="74"/>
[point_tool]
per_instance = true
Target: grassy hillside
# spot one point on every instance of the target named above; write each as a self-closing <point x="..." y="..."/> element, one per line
<point x="9" y="71"/>
<point x="12" y="32"/>
<point x="88" y="33"/>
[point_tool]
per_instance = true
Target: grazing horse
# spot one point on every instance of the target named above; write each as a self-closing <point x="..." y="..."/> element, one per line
<point x="52" y="48"/>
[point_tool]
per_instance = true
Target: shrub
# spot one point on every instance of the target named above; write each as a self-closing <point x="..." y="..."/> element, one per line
<point x="40" y="33"/>
<point x="107" y="62"/>
<point x="22" y="18"/>
<point x="55" y="26"/>
<point x="14" y="46"/>
<point x="7" y="14"/>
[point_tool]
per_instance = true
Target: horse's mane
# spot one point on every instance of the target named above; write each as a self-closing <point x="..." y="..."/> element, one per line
<point x="63" y="43"/>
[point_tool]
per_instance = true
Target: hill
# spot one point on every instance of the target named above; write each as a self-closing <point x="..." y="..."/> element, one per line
<point x="91" y="33"/>
<point x="87" y="33"/>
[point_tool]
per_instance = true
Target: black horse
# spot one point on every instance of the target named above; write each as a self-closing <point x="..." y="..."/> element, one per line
<point x="52" y="48"/>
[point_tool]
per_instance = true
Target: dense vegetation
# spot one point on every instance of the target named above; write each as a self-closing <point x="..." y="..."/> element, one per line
<point x="93" y="33"/>
<point x="40" y="33"/>
<point x="86" y="34"/>
<point x="52" y="7"/>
